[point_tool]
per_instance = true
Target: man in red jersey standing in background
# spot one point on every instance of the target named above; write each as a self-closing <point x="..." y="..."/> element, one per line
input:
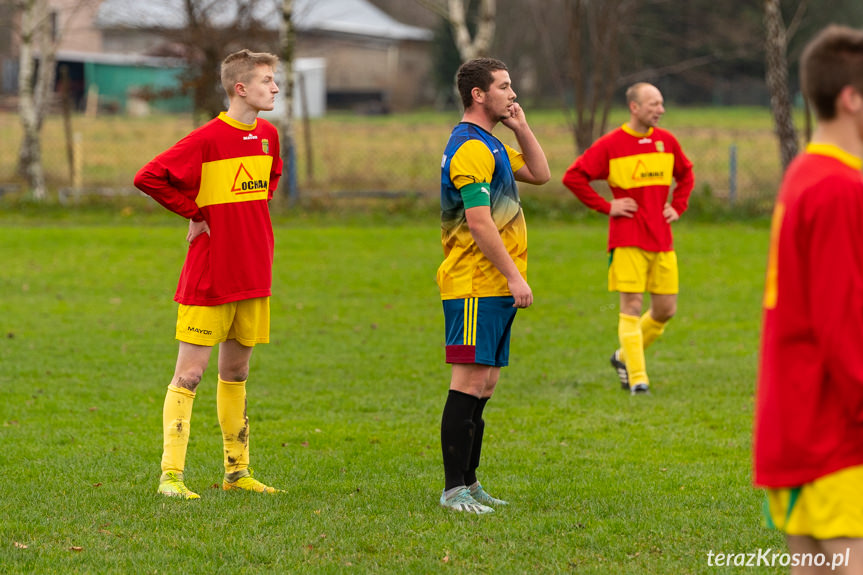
<point x="808" y="442"/>
<point x="639" y="161"/>
<point x="221" y="177"/>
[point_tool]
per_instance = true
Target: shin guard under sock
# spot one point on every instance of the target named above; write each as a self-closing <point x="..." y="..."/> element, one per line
<point x="176" y="421"/>
<point x="457" y="435"/>
<point x="479" y="427"/>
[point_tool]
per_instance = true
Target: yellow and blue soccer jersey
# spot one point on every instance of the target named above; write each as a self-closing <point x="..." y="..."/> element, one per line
<point x="478" y="169"/>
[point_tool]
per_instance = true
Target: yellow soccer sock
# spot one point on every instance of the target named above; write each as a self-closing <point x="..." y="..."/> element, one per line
<point x="632" y="344"/>
<point x="650" y="329"/>
<point x="231" y="407"/>
<point x="650" y="332"/>
<point x="176" y="418"/>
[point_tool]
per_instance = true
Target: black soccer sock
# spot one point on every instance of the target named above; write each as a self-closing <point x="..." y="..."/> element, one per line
<point x="479" y="427"/>
<point x="457" y="436"/>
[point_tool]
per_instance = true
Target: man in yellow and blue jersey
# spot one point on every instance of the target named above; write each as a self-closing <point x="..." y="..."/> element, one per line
<point x="483" y="278"/>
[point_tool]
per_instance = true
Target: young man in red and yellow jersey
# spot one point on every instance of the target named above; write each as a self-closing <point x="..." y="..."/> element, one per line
<point x="640" y="162"/>
<point x="808" y="440"/>
<point x="221" y="177"/>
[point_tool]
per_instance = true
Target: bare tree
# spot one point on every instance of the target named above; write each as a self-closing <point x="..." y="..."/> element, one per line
<point x="594" y="59"/>
<point x="776" y="43"/>
<point x="39" y="38"/>
<point x="213" y="29"/>
<point x="35" y="86"/>
<point x="456" y="13"/>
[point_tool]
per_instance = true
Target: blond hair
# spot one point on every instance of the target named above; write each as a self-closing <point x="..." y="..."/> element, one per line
<point x="240" y="66"/>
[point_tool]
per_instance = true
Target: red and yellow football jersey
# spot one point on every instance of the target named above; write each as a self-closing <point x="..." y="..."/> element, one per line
<point x="224" y="172"/>
<point x="809" y="411"/>
<point x="638" y="166"/>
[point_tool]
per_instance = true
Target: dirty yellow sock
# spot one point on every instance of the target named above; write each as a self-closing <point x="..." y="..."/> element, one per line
<point x="231" y="407"/>
<point x="632" y="344"/>
<point x="176" y="418"/>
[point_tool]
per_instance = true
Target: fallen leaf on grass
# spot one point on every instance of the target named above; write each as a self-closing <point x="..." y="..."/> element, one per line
<point x="97" y="485"/>
<point x="20" y="545"/>
<point x="75" y="548"/>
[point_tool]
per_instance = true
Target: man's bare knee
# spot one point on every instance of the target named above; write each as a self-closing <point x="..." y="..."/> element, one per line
<point x="236" y="374"/>
<point x="662" y="307"/>
<point x="188" y="380"/>
<point x="663" y="315"/>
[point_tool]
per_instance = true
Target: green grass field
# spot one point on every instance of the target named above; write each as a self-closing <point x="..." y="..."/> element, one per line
<point x="345" y="407"/>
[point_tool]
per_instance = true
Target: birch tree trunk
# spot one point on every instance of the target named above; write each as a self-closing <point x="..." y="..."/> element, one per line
<point x="288" y="142"/>
<point x="34" y="89"/>
<point x="777" y="81"/>
<point x="469" y="48"/>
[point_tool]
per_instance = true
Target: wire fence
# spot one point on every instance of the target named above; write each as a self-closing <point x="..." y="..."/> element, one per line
<point x="339" y="157"/>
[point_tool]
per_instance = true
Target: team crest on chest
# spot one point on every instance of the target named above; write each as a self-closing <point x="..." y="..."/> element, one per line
<point x="660" y="146"/>
<point x="265" y="145"/>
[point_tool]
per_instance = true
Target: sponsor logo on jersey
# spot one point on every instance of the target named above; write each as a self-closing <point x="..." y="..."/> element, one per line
<point x="641" y="170"/>
<point x="644" y="141"/>
<point x="250" y="137"/>
<point x="244" y="183"/>
<point x="641" y="173"/>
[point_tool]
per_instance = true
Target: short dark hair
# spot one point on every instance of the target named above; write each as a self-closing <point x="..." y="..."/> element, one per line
<point x="832" y="60"/>
<point x="476" y="73"/>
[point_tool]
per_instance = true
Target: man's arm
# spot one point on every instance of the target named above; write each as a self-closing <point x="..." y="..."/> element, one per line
<point x="487" y="238"/>
<point x="535" y="169"/>
<point x="155" y="181"/>
<point x="685" y="182"/>
<point x="172" y="177"/>
<point x="578" y="182"/>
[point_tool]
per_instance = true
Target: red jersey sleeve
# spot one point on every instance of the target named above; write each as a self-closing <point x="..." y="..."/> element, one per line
<point x="591" y="165"/>
<point x="173" y="177"/>
<point x="685" y="181"/>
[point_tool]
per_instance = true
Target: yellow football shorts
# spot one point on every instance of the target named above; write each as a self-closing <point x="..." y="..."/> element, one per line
<point x="634" y="270"/>
<point x="827" y="508"/>
<point x="247" y="321"/>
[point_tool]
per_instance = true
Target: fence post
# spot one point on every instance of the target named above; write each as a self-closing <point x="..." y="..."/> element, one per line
<point x="293" y="190"/>
<point x="732" y="174"/>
